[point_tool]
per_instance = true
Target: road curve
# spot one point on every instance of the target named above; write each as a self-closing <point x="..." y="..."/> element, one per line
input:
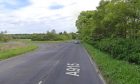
<point x="56" y="63"/>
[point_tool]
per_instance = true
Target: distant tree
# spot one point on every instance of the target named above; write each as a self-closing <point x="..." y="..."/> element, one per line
<point x="65" y="32"/>
<point x="53" y="31"/>
<point x="74" y="35"/>
<point x="5" y="37"/>
<point x="60" y="33"/>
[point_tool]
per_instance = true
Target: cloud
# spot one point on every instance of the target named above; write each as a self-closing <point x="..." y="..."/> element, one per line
<point x="43" y="15"/>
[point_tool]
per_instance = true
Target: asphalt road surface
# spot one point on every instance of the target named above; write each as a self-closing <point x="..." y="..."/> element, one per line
<point x="59" y="63"/>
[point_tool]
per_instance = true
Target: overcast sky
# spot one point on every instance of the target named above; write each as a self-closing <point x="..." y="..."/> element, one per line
<point x="39" y="16"/>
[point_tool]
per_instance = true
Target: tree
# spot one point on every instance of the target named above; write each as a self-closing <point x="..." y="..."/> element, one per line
<point x="112" y="19"/>
<point x="5" y="37"/>
<point x="85" y="24"/>
<point x="53" y="31"/>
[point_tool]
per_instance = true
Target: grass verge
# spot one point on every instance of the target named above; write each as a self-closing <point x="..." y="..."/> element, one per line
<point x="114" y="71"/>
<point x="17" y="51"/>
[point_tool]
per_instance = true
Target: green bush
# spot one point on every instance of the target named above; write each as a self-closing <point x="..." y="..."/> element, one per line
<point x="120" y="48"/>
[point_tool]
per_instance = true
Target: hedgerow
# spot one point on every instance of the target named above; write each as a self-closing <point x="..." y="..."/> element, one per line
<point x="125" y="49"/>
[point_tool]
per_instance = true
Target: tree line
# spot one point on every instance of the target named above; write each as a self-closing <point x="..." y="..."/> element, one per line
<point x="48" y="36"/>
<point x="114" y="27"/>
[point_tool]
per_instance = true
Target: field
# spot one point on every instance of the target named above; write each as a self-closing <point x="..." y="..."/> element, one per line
<point x="10" y="49"/>
<point x="114" y="71"/>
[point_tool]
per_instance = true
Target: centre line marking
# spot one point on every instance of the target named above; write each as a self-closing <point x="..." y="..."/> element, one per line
<point x="40" y="82"/>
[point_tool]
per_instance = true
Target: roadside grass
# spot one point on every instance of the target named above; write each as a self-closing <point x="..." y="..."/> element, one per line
<point x="114" y="71"/>
<point x="22" y="40"/>
<point x="11" y="52"/>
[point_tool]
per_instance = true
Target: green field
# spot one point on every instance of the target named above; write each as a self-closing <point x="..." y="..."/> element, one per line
<point x="8" y="50"/>
<point x="114" y="71"/>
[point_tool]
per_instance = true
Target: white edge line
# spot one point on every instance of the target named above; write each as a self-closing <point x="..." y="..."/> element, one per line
<point x="97" y="70"/>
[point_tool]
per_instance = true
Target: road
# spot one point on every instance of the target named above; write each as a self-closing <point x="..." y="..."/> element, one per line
<point x="57" y="63"/>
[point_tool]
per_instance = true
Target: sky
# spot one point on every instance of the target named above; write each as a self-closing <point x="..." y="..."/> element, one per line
<point x="40" y="16"/>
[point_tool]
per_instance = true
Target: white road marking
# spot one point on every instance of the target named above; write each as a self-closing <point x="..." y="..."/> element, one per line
<point x="40" y="82"/>
<point x="73" y="69"/>
<point x="72" y="73"/>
